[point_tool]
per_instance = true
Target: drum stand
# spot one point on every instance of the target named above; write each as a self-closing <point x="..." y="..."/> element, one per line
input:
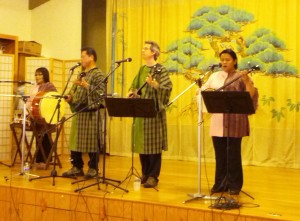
<point x="53" y="173"/>
<point x="1" y="163"/>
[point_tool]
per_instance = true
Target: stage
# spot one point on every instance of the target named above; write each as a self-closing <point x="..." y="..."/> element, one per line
<point x="276" y="192"/>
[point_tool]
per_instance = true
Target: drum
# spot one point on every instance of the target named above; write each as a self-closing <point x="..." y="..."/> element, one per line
<point x="43" y="107"/>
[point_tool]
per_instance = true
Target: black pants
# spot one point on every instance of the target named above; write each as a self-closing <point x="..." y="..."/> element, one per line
<point x="46" y="145"/>
<point x="151" y="164"/>
<point x="234" y="180"/>
<point x="76" y="159"/>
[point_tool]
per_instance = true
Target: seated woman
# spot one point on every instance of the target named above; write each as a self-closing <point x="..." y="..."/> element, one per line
<point x="42" y="84"/>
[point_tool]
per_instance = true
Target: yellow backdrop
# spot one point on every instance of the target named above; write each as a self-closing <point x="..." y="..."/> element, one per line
<point x="275" y="128"/>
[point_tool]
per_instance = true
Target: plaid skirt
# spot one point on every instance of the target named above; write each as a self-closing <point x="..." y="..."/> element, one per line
<point x="83" y="137"/>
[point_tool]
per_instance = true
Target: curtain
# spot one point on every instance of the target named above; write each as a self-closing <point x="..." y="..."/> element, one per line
<point x="191" y="34"/>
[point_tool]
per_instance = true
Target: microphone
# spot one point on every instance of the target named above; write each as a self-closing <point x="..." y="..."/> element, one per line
<point x="215" y="66"/>
<point x="75" y="66"/>
<point x="26" y="82"/>
<point x="60" y="96"/>
<point x="124" y="60"/>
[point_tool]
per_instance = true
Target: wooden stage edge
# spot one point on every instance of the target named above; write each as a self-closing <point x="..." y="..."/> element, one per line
<point x="276" y="192"/>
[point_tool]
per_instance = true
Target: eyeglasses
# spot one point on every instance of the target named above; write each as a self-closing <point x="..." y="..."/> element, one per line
<point x="145" y="48"/>
<point x="38" y="74"/>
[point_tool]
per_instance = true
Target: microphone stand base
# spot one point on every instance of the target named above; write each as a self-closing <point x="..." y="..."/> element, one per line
<point x="53" y="175"/>
<point x="196" y="196"/>
<point x="99" y="180"/>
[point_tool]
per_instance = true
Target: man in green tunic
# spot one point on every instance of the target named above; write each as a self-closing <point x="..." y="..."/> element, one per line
<point x="150" y="134"/>
<point x="83" y="137"/>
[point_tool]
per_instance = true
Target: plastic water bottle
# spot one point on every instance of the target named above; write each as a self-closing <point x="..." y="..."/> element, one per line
<point x="136" y="184"/>
<point x="26" y="170"/>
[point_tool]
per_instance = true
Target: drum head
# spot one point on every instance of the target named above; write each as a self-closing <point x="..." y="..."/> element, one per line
<point x="48" y="106"/>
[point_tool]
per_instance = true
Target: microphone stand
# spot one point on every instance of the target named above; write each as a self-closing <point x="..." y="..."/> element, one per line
<point x="19" y="82"/>
<point x="102" y="179"/>
<point x="53" y="173"/>
<point x="197" y="195"/>
<point x="24" y="98"/>
<point x="198" y="81"/>
<point x="23" y="134"/>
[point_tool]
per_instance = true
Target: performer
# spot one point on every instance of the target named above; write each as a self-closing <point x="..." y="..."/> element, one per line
<point x="83" y="137"/>
<point x="238" y="125"/>
<point x="42" y="84"/>
<point x="150" y="134"/>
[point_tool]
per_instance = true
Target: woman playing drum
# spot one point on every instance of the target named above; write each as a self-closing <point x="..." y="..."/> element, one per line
<point x="43" y="84"/>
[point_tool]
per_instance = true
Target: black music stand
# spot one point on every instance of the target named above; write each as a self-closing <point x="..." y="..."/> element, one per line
<point x="228" y="102"/>
<point x="130" y="107"/>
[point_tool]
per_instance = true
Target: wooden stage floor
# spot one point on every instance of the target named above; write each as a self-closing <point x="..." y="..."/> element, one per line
<point x="276" y="192"/>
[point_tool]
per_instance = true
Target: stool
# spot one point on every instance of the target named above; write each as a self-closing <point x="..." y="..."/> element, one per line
<point x="18" y="139"/>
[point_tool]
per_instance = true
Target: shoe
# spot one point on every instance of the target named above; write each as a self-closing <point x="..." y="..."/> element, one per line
<point x="151" y="182"/>
<point x="234" y="192"/>
<point x="91" y="173"/>
<point x="144" y="179"/>
<point x="74" y="171"/>
<point x="217" y="189"/>
<point x="213" y="191"/>
<point x="40" y="166"/>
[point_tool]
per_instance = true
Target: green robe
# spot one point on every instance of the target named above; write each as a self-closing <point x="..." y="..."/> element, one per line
<point x="83" y="135"/>
<point x="149" y="135"/>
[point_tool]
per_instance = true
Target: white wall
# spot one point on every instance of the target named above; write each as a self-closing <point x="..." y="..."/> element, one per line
<point x="15" y="18"/>
<point x="57" y="26"/>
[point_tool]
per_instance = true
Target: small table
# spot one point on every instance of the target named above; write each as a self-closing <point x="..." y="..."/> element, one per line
<point x="18" y="139"/>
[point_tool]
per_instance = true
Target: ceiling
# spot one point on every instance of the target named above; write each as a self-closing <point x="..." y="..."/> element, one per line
<point x="35" y="3"/>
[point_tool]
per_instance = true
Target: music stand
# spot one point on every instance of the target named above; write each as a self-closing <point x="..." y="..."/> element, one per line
<point x="228" y="102"/>
<point x="130" y="107"/>
<point x="233" y="102"/>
